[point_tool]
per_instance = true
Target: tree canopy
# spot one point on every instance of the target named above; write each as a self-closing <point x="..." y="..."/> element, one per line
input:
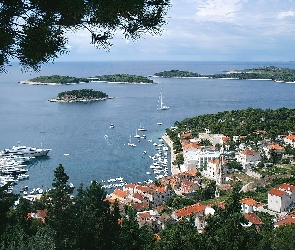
<point x="34" y="31"/>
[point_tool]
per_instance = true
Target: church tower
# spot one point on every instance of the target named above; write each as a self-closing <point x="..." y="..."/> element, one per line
<point x="221" y="169"/>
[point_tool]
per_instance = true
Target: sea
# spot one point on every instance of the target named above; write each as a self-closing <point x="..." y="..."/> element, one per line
<point x="79" y="134"/>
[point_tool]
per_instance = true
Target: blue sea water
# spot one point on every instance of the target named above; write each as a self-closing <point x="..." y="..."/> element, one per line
<point x="93" y="150"/>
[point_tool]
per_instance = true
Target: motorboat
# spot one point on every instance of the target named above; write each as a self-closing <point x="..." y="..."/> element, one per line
<point x="112" y="125"/>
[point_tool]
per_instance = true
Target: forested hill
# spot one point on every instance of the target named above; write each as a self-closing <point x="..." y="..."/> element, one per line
<point x="250" y="122"/>
<point x="266" y="72"/>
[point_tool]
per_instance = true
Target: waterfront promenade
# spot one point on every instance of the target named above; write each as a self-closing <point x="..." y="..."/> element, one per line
<point x="174" y="168"/>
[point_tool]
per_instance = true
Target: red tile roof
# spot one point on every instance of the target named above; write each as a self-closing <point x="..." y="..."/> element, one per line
<point x="253" y="218"/>
<point x="191" y="145"/>
<point x="187" y="211"/>
<point x="248" y="201"/>
<point x="276" y="147"/>
<point x="287" y="187"/>
<point x="284" y="220"/>
<point x="130" y="185"/>
<point x="276" y="192"/>
<point x="249" y="152"/>
<point x="290" y="137"/>
<point x="185" y="135"/>
<point x="143" y="215"/>
<point x="120" y="193"/>
<point x="138" y="196"/>
<point x="225" y="138"/>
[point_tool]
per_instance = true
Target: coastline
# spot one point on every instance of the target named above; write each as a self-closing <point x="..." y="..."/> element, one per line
<point x="174" y="168"/>
<point x="44" y="83"/>
<point x="80" y="99"/>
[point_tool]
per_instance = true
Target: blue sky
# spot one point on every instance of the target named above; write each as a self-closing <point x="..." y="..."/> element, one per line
<point x="206" y="30"/>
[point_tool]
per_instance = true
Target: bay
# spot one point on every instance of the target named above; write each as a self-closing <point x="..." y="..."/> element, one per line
<point x="79" y="133"/>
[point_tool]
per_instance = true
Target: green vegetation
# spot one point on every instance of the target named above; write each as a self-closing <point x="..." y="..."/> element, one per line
<point x="82" y="94"/>
<point x="89" y="221"/>
<point x="253" y="124"/>
<point x="177" y="73"/>
<point x="266" y="72"/>
<point x="35" y="31"/>
<point x="123" y="78"/>
<point x="58" y="79"/>
<point x="120" y="78"/>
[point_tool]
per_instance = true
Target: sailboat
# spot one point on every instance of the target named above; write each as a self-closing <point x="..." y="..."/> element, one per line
<point x="162" y="106"/>
<point x="136" y="135"/>
<point x="131" y="144"/>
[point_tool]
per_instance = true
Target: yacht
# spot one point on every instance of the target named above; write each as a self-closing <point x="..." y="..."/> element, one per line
<point x="112" y="125"/>
<point x="141" y="128"/>
<point x="131" y="144"/>
<point x="25" y="151"/>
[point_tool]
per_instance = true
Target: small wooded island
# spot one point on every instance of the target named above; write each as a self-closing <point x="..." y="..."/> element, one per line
<point x="264" y="73"/>
<point x="117" y="78"/>
<point x="82" y="95"/>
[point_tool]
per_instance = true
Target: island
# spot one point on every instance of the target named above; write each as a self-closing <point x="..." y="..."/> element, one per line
<point x="122" y="78"/>
<point x="54" y="80"/>
<point x="82" y="95"/>
<point x="117" y="78"/>
<point x="271" y="73"/>
<point x="177" y="74"/>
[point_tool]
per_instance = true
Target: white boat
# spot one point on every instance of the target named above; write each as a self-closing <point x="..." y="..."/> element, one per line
<point x="25" y="151"/>
<point x="161" y="105"/>
<point x="159" y="123"/>
<point x="141" y="128"/>
<point x="131" y="144"/>
<point x="136" y="135"/>
<point x="112" y="126"/>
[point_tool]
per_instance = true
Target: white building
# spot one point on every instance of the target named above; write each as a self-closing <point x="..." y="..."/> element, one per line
<point x="248" y="158"/>
<point x="280" y="199"/>
<point x="195" y="158"/>
<point x="216" y="170"/>
<point x="290" y="139"/>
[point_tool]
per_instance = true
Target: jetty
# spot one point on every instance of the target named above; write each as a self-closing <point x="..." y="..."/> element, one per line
<point x="169" y="142"/>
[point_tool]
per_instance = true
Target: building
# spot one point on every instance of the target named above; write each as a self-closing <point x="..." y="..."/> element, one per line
<point x="281" y="199"/>
<point x="290" y="139"/>
<point x="248" y="158"/>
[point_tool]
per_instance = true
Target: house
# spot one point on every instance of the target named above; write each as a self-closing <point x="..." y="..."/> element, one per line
<point x="216" y="170"/>
<point x="281" y="199"/>
<point x="146" y="218"/>
<point x="248" y="158"/>
<point x="253" y="219"/>
<point x="276" y="148"/>
<point x="248" y="205"/>
<point x="284" y="220"/>
<point x="39" y="214"/>
<point x="290" y="139"/>
<point x="120" y="195"/>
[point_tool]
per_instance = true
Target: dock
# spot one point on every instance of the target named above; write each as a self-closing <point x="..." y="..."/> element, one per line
<point x="174" y="168"/>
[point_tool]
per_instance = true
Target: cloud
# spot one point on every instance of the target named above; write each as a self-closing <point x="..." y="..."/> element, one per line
<point x="289" y="13"/>
<point x="218" y="10"/>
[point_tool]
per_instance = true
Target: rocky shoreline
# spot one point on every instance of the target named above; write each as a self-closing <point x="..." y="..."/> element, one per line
<point x="80" y="99"/>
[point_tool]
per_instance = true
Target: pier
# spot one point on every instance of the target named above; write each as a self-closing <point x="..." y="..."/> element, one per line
<point x="174" y="168"/>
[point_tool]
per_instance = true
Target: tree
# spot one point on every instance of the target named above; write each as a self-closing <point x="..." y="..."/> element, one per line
<point x="178" y="160"/>
<point x="34" y="31"/>
<point x="6" y="202"/>
<point x="58" y="203"/>
<point x="97" y="222"/>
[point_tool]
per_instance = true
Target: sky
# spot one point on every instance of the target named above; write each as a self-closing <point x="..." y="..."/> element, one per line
<point x="205" y="30"/>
